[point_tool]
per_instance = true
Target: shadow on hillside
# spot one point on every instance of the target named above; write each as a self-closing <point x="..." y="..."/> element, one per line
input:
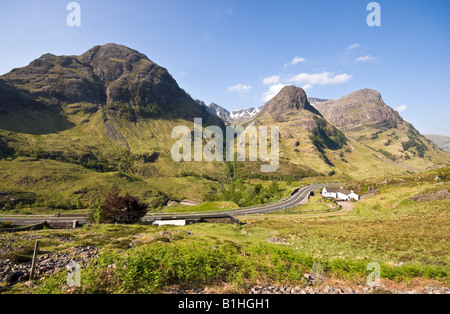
<point x="36" y="122"/>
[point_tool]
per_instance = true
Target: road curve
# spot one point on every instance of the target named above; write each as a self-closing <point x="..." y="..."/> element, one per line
<point x="294" y="200"/>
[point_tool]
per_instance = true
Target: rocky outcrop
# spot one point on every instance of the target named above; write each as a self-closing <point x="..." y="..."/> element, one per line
<point x="48" y="82"/>
<point x="115" y="136"/>
<point x="47" y="264"/>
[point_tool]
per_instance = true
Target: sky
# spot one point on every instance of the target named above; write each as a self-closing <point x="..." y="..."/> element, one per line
<point x="240" y="53"/>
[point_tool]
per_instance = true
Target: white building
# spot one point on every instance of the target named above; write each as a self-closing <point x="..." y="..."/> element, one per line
<point x="169" y="223"/>
<point x="340" y="194"/>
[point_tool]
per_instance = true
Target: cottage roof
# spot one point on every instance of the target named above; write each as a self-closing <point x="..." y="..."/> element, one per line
<point x="334" y="189"/>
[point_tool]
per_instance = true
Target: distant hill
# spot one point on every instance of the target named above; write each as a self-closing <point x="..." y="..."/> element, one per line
<point x="440" y="140"/>
<point x="314" y="101"/>
<point x="235" y="117"/>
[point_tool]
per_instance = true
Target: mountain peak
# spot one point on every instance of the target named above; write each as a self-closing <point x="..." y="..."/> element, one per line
<point x="359" y="108"/>
<point x="290" y="98"/>
<point x="118" y="79"/>
<point x="366" y="92"/>
<point x="109" y="51"/>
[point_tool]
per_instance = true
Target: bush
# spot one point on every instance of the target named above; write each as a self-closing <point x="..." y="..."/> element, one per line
<point x="80" y="204"/>
<point x="123" y="209"/>
<point x="444" y="173"/>
<point x="96" y="215"/>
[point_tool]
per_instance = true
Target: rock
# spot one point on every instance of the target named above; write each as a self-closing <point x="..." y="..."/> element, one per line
<point x="29" y="284"/>
<point x="14" y="277"/>
<point x="276" y="240"/>
<point x="46" y="264"/>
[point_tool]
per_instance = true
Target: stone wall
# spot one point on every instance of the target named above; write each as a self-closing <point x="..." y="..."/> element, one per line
<point x="71" y="224"/>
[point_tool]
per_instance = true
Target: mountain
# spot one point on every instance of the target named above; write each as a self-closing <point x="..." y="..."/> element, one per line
<point x="71" y="127"/>
<point x="304" y="134"/>
<point x="314" y="101"/>
<point x="290" y="100"/>
<point x="238" y="117"/>
<point x="440" y="140"/>
<point x="339" y="137"/>
<point x="109" y="110"/>
<point x="121" y="80"/>
<point x="216" y="110"/>
<point x="365" y="117"/>
<point x="363" y="108"/>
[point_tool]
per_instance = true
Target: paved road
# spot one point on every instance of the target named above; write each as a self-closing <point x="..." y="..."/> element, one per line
<point x="296" y="199"/>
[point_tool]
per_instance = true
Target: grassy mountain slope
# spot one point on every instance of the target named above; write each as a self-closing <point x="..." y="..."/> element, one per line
<point x="110" y="111"/>
<point x="440" y="140"/>
<point x="364" y="117"/>
<point x="309" y="140"/>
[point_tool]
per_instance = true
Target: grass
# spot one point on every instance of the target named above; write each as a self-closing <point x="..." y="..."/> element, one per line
<point x="56" y="183"/>
<point x="408" y="239"/>
<point x="203" y="207"/>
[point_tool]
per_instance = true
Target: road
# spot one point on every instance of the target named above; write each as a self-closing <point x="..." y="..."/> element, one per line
<point x="296" y="199"/>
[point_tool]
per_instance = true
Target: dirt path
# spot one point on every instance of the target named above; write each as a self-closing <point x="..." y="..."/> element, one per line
<point x="346" y="208"/>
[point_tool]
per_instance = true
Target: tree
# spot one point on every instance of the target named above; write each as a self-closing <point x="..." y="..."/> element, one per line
<point x="273" y="189"/>
<point x="444" y="173"/>
<point x="123" y="209"/>
<point x="95" y="215"/>
<point x="80" y="204"/>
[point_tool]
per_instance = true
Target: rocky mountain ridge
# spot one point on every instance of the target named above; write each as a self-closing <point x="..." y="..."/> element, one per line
<point x="112" y="77"/>
<point x="358" y="109"/>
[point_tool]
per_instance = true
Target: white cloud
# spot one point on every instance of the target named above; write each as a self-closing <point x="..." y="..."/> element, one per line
<point x="365" y="59"/>
<point x="298" y="60"/>
<point x="272" y="92"/>
<point x="325" y="78"/>
<point x="274" y="79"/>
<point x="240" y="88"/>
<point x="401" y="108"/>
<point x="295" y="61"/>
<point x="354" y="46"/>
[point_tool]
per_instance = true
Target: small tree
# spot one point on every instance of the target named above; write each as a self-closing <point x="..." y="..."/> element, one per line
<point x="444" y="173"/>
<point x="95" y="215"/>
<point x="80" y="204"/>
<point x="123" y="209"/>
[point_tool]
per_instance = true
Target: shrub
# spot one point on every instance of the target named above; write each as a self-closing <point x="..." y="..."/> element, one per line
<point x="96" y="215"/>
<point x="123" y="209"/>
<point x="444" y="173"/>
<point x="80" y="204"/>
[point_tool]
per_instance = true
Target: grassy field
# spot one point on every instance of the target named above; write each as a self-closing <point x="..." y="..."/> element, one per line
<point x="408" y="238"/>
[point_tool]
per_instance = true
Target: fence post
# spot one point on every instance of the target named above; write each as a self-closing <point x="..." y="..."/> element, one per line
<point x="33" y="263"/>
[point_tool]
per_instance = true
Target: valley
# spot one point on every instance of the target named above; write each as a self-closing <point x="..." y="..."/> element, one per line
<point x="73" y="128"/>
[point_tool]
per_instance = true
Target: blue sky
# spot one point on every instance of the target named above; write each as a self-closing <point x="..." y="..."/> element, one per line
<point x="239" y="53"/>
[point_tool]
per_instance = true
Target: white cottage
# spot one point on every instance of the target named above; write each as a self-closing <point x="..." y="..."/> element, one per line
<point x="340" y="193"/>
